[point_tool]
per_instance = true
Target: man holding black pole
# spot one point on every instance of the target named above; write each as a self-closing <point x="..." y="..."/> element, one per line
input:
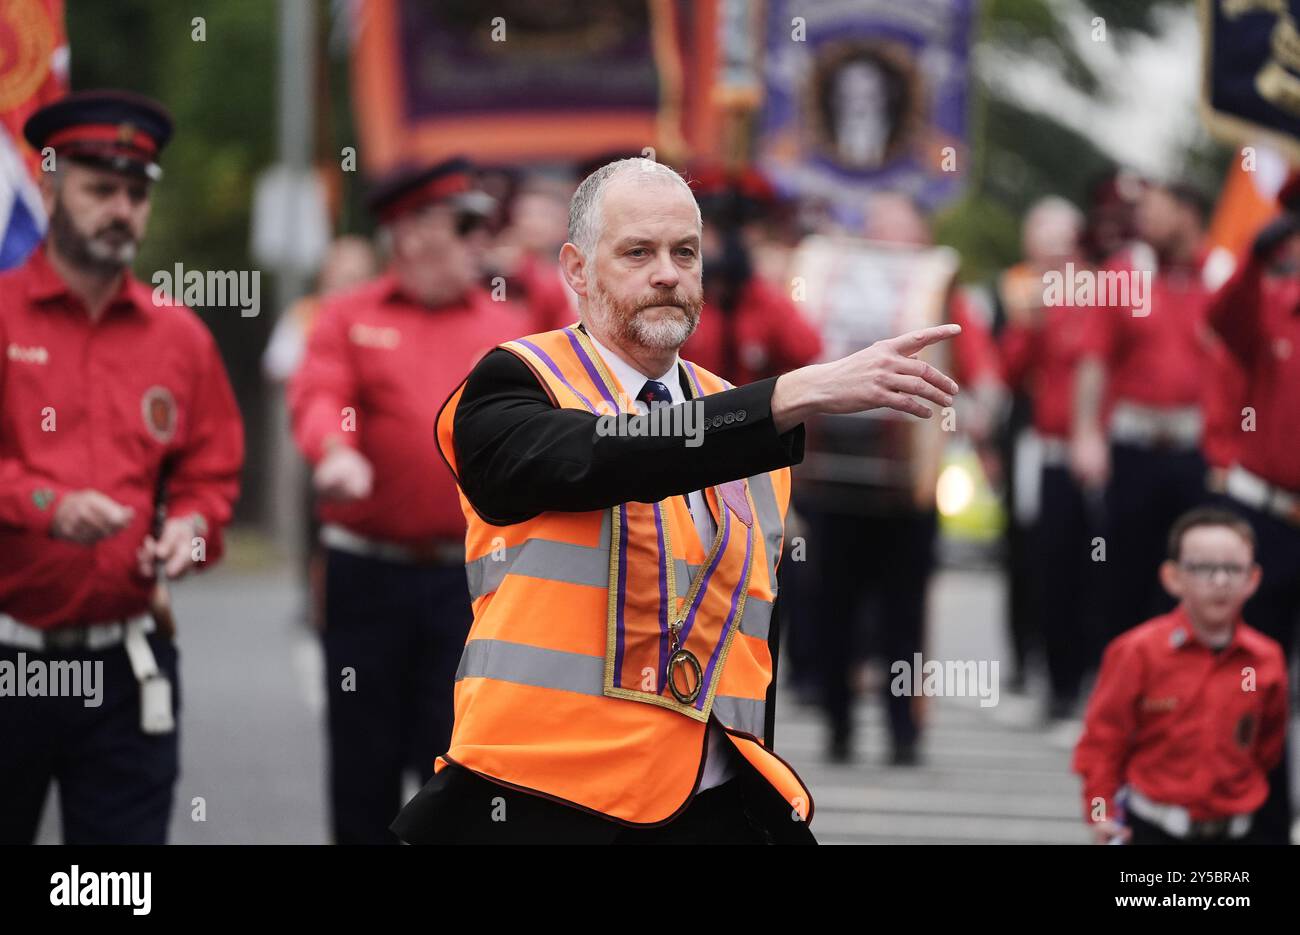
<point x="102" y="394"/>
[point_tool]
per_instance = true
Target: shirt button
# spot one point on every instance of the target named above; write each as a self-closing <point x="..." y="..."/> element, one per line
<point x="740" y="415"/>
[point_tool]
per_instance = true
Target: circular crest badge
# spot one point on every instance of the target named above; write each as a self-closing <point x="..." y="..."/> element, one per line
<point x="159" y="410"/>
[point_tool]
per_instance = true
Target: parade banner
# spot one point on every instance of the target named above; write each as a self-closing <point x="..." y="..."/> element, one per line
<point x="525" y="81"/>
<point x="33" y="72"/>
<point x="857" y="292"/>
<point x="867" y="94"/>
<point x="1250" y="87"/>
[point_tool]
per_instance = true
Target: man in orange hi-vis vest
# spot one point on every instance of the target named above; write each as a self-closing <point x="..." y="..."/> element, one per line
<point x="625" y="513"/>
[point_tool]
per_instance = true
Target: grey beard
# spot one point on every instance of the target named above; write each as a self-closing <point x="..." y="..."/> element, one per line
<point x="87" y="253"/>
<point x="667" y="334"/>
<point x="663" y="335"/>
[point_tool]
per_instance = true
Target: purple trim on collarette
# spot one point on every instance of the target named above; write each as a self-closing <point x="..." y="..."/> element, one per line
<point x="590" y="366"/>
<point x="695" y="381"/>
<point x="731" y="614"/>
<point x="622" y="592"/>
<point x="708" y="576"/>
<point x="663" y="594"/>
<point x="555" y="370"/>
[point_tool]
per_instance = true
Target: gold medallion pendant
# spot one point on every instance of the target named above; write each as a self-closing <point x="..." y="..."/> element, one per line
<point x="685" y="676"/>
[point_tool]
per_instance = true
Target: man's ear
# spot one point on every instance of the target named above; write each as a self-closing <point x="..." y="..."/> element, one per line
<point x="403" y="237"/>
<point x="1253" y="580"/>
<point x="1169" y="579"/>
<point x="49" y="187"/>
<point x="574" y="267"/>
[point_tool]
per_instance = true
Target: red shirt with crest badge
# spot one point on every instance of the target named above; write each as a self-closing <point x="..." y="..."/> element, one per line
<point x="1183" y="724"/>
<point x="99" y="405"/>
<point x="377" y="369"/>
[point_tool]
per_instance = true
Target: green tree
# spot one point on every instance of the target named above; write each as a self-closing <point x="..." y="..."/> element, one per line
<point x="1020" y="154"/>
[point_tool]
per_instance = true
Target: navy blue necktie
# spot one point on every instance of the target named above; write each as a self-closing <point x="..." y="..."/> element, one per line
<point x="655" y="394"/>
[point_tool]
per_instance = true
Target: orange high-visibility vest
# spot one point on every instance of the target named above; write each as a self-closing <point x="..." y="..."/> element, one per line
<point x="565" y="687"/>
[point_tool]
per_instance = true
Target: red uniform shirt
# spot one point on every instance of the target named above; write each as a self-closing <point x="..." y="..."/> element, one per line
<point x="544" y="294"/>
<point x="1226" y="395"/>
<point x="1041" y="359"/>
<point x="974" y="353"/>
<point x="769" y="335"/>
<point x="393" y="362"/>
<point x="1258" y="318"/>
<point x="1182" y="724"/>
<point x="99" y="405"/>
<point x="1158" y="359"/>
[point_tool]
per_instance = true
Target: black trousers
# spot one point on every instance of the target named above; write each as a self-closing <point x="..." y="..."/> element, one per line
<point x="888" y="558"/>
<point x="1148" y="490"/>
<point x="115" y="781"/>
<point x="1274" y="610"/>
<point x="1066" y="578"/>
<point x="459" y="807"/>
<point x="1024" y="622"/>
<point x="393" y="638"/>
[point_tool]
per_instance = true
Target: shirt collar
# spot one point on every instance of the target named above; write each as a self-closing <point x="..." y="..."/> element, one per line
<point x="391" y="290"/>
<point x="632" y="379"/>
<point x="46" y="285"/>
<point x="1188" y="637"/>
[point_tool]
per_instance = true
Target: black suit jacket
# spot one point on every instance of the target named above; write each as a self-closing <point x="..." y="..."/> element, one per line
<point x="519" y="456"/>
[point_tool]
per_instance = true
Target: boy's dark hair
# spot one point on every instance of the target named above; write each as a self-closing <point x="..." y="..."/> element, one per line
<point x="1207" y="516"/>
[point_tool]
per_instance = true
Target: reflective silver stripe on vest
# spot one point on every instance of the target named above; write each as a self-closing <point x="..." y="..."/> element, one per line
<point x="552" y="560"/>
<point x="578" y="564"/>
<point x="741" y="713"/>
<point x="532" y="665"/>
<point x="769" y="519"/>
<point x="574" y="672"/>
<point x="548" y="559"/>
<point x="539" y="558"/>
<point x="757" y="618"/>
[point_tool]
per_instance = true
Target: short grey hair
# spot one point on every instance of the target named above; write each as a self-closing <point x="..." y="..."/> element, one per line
<point x="585" y="215"/>
<point x="1050" y="205"/>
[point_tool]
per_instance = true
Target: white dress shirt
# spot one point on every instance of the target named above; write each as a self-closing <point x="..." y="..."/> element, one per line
<point x="717" y="760"/>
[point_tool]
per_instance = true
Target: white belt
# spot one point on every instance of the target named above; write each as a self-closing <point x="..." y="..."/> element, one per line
<point x="1056" y="450"/>
<point x="1177" y="821"/>
<point x="155" y="688"/>
<point x="92" y="636"/>
<point x="1155" y="427"/>
<point x="345" y="540"/>
<point x="1253" y="490"/>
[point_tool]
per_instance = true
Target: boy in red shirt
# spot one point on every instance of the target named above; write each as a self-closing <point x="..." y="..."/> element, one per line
<point x="1190" y="708"/>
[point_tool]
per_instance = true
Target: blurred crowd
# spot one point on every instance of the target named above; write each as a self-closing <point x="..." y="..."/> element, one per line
<point x="1099" y="414"/>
